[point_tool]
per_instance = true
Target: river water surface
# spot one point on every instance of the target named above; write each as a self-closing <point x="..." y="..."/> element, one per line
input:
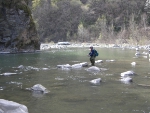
<point x="70" y="90"/>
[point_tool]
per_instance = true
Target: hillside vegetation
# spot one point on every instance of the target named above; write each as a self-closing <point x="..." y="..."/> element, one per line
<point x="104" y="21"/>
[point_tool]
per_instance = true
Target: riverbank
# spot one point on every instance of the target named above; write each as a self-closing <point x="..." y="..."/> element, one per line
<point x="17" y="52"/>
<point x="47" y="46"/>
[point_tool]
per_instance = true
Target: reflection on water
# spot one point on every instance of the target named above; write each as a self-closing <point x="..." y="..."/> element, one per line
<point x="71" y="90"/>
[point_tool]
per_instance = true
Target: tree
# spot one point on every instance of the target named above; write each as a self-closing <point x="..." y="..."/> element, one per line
<point x="103" y="20"/>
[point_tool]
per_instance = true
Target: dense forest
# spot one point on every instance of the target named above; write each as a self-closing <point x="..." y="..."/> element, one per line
<point x="99" y="21"/>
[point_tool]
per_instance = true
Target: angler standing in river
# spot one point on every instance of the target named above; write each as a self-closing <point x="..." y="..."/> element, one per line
<point x="93" y="53"/>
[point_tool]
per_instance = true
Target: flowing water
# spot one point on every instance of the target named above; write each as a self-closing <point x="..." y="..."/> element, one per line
<point x="70" y="90"/>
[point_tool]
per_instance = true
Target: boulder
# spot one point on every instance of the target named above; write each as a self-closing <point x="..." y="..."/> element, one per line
<point x="75" y="66"/>
<point x="110" y="60"/>
<point x="84" y="64"/>
<point x="137" y="53"/>
<point x="39" y="87"/>
<point x="64" y="66"/>
<point x="99" y="61"/>
<point x="21" y="66"/>
<point x="12" y="107"/>
<point x="133" y="63"/>
<point x="8" y="74"/>
<point x="127" y="73"/>
<point x="80" y="65"/>
<point x="96" y="81"/>
<point x="126" y="80"/>
<point x="93" y="69"/>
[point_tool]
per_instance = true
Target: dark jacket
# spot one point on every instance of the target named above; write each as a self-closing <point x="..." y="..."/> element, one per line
<point x="92" y="53"/>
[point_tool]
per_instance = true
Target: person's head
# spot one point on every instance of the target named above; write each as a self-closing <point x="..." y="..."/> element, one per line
<point x="91" y="47"/>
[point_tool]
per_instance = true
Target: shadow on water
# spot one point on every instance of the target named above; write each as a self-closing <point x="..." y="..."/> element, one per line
<point x="70" y="90"/>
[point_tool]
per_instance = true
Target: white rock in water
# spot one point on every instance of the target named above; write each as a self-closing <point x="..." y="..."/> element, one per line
<point x="84" y="64"/>
<point x="64" y="66"/>
<point x="137" y="49"/>
<point x="21" y="66"/>
<point x="126" y="80"/>
<point x="99" y="61"/>
<point x="7" y="74"/>
<point x="137" y="54"/>
<point x="110" y="60"/>
<point x="12" y="107"/>
<point x="45" y="68"/>
<point x="39" y="87"/>
<point x="93" y="68"/>
<point x="127" y="73"/>
<point x="77" y="66"/>
<point x="133" y="63"/>
<point x="96" y="81"/>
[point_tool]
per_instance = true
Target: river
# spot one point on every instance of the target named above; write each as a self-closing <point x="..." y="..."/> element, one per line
<point x="70" y="90"/>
